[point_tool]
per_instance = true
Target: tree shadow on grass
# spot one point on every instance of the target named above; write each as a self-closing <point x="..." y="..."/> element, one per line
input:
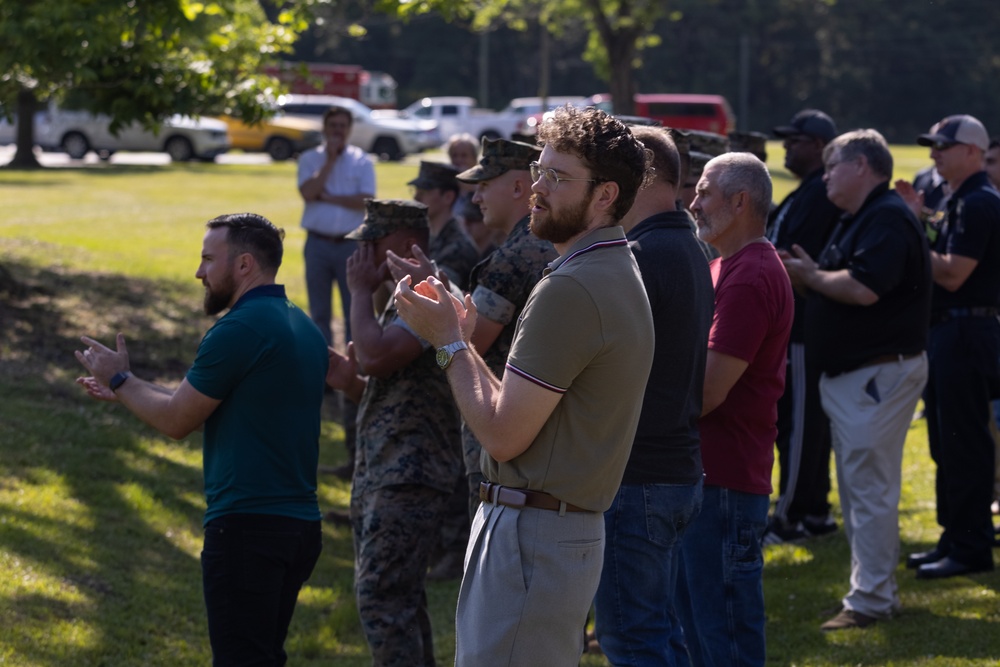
<point x="100" y="514"/>
<point x="100" y="517"/>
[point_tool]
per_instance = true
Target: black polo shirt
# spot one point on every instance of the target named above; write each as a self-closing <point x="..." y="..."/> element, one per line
<point x="884" y="248"/>
<point x="666" y="449"/>
<point x="805" y="217"/>
<point x="971" y="228"/>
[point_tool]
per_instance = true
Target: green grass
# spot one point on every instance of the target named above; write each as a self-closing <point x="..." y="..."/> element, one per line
<point x="100" y="517"/>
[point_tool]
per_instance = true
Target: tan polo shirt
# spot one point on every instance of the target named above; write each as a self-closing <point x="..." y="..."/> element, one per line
<point x="587" y="333"/>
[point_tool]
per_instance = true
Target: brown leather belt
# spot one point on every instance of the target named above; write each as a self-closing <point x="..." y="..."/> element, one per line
<point x="518" y="498"/>
<point x="329" y="237"/>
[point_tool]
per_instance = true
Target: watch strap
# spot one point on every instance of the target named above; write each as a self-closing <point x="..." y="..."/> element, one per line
<point x="118" y="379"/>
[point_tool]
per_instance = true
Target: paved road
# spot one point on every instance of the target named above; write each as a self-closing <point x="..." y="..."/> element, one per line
<point x="62" y="160"/>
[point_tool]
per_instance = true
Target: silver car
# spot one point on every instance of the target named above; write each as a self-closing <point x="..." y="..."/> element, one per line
<point x="78" y="132"/>
<point x="389" y="138"/>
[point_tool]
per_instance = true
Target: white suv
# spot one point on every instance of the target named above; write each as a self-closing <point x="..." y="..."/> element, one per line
<point x="389" y="138"/>
<point x="78" y="132"/>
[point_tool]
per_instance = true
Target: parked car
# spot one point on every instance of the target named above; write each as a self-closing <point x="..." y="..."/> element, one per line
<point x="459" y="115"/>
<point x="708" y="113"/>
<point x="78" y="132"/>
<point x="389" y="138"/>
<point x="527" y="106"/>
<point x="282" y="137"/>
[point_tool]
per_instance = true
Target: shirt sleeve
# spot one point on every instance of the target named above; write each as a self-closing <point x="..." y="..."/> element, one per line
<point x="741" y="321"/>
<point x="558" y="335"/>
<point x="225" y="354"/>
<point x="503" y="281"/>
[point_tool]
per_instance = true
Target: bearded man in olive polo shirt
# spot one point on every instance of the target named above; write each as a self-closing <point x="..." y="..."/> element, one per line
<point x="557" y="430"/>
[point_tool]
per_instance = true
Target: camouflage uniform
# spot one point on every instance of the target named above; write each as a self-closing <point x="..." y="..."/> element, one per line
<point x="500" y="287"/>
<point x="408" y="457"/>
<point x="454" y="253"/>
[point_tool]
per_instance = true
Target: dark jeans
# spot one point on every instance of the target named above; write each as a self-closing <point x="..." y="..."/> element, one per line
<point x="253" y="566"/>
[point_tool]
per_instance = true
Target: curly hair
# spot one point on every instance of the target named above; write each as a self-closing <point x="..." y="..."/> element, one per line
<point x="606" y="146"/>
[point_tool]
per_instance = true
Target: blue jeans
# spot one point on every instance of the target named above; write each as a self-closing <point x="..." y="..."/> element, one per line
<point x="253" y="566"/>
<point x="326" y="263"/>
<point x="720" y="587"/>
<point x="635" y="619"/>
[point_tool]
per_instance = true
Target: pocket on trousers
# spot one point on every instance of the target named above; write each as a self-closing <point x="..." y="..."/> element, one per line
<point x="745" y="554"/>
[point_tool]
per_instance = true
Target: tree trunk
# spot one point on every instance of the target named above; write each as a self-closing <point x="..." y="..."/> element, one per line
<point x="620" y="57"/>
<point x="24" y="157"/>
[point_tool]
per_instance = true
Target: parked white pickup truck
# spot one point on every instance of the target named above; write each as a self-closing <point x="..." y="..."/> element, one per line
<point x="455" y="115"/>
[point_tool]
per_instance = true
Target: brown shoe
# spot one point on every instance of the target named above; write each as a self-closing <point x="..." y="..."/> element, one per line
<point x="848" y="618"/>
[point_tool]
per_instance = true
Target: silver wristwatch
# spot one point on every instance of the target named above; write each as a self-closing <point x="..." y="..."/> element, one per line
<point x="447" y="353"/>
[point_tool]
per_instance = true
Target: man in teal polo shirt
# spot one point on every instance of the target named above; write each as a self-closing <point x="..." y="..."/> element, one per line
<point x="256" y="388"/>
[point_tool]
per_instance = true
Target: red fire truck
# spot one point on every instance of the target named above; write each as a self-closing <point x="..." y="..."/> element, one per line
<point x="374" y="89"/>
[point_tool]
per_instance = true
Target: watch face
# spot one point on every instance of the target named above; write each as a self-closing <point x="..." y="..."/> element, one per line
<point x="443" y="357"/>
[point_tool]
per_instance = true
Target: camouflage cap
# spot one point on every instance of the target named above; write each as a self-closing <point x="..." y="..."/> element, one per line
<point x="499" y="157"/>
<point x="435" y="175"/>
<point x="385" y="216"/>
<point x="697" y="164"/>
<point x="708" y="142"/>
<point x="681" y="140"/>
<point x="749" y="142"/>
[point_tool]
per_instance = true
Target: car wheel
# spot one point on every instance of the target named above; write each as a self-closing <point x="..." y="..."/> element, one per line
<point x="387" y="148"/>
<point x="75" y="145"/>
<point x="179" y="149"/>
<point x="280" y="149"/>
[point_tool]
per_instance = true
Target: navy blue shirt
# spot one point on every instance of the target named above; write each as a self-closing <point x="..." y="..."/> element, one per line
<point x="678" y="283"/>
<point x="971" y="228"/>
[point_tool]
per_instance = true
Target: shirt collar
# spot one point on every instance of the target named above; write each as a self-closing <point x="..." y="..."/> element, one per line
<point x="602" y="237"/>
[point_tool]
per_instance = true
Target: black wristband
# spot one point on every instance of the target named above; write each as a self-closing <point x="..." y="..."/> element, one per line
<point x="118" y="379"/>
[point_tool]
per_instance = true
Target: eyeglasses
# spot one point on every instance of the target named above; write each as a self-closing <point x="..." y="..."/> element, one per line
<point x="552" y="179"/>
<point x="943" y="145"/>
<point x="833" y="163"/>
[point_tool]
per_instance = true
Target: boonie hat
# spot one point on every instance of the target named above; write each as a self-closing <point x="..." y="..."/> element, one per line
<point x="810" y="122"/>
<point x="960" y="129"/>
<point x="499" y="157"/>
<point x="749" y="142"/>
<point x="385" y="216"/>
<point x="435" y="175"/>
<point x="709" y="143"/>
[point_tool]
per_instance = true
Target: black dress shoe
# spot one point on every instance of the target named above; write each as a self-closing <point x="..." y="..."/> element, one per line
<point x="913" y="561"/>
<point x="947" y="567"/>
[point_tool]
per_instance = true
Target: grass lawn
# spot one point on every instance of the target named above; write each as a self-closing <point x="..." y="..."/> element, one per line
<point x="100" y="517"/>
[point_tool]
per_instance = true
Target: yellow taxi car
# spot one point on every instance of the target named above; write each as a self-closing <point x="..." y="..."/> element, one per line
<point x="281" y="137"/>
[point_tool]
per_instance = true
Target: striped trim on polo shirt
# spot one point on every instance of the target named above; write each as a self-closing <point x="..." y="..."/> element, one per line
<point x="595" y="246"/>
<point x="531" y="378"/>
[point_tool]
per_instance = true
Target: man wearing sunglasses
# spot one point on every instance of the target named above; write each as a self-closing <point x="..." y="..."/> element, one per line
<point x="805" y="217"/>
<point x="558" y="427"/>
<point x="963" y="351"/>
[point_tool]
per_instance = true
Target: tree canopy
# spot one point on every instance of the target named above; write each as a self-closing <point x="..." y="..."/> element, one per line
<point x="141" y="61"/>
